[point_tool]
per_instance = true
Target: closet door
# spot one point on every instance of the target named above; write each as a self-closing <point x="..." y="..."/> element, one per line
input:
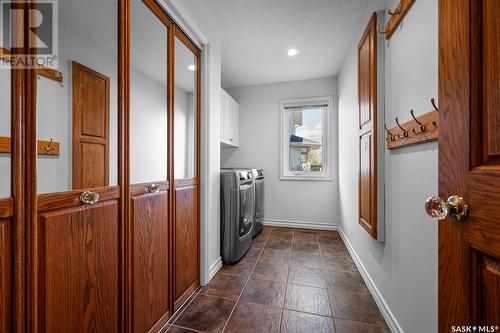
<point x="6" y="198"/>
<point x="186" y="215"/>
<point x="149" y="186"/>
<point x="75" y="236"/>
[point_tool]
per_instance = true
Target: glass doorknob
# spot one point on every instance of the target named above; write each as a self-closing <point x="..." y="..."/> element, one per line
<point x="455" y="207"/>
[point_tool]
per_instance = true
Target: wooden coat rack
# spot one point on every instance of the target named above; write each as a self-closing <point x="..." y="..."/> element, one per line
<point x="396" y="17"/>
<point x="49" y="73"/>
<point x="417" y="130"/>
<point x="45" y="147"/>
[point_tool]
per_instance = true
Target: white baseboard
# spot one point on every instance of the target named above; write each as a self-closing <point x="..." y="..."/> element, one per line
<point x="214" y="268"/>
<point x="300" y="224"/>
<point x="377" y="296"/>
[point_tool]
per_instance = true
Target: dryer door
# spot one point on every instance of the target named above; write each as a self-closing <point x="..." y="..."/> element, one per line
<point x="246" y="208"/>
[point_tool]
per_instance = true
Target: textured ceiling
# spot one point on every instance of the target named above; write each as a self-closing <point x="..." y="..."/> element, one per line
<point x="257" y="34"/>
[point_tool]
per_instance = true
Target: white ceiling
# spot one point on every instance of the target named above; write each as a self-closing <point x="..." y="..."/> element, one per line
<point x="257" y="34"/>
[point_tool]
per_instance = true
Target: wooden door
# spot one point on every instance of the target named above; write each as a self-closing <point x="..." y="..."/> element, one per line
<point x="367" y="96"/>
<point x="185" y="195"/>
<point x="90" y="128"/>
<point x="469" y="162"/>
<point x="75" y="233"/>
<point x="149" y="185"/>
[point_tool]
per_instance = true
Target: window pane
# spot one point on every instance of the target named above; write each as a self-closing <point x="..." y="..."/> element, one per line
<point x="148" y="96"/>
<point x="184" y="112"/>
<point x="80" y="114"/>
<point x="306" y="138"/>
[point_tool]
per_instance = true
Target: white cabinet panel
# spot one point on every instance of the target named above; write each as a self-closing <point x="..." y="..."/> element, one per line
<point x="229" y="120"/>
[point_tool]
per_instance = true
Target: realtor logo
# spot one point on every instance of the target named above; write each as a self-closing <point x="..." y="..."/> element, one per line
<point x="42" y="31"/>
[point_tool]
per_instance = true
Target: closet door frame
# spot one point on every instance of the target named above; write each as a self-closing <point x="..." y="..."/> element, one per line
<point x="12" y="208"/>
<point x="176" y="32"/>
<point x="36" y="203"/>
<point x="140" y="189"/>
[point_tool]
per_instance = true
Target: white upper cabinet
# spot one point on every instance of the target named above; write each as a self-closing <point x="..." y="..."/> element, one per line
<point x="230" y="121"/>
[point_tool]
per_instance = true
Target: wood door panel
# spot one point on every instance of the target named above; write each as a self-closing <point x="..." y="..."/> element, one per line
<point x="90" y="128"/>
<point x="491" y="80"/>
<point x="151" y="264"/>
<point x="469" y="163"/>
<point x="364" y="82"/>
<point x="79" y="264"/>
<point x="94" y="156"/>
<point x="367" y="105"/>
<point x="186" y="239"/>
<point x="365" y="181"/>
<point x="5" y="275"/>
<point x="93" y="98"/>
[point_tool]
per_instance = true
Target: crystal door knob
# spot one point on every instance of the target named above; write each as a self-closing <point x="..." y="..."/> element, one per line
<point x="455" y="207"/>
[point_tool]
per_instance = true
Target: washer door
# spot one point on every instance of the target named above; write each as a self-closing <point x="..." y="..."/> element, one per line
<point x="246" y="209"/>
<point x="259" y="199"/>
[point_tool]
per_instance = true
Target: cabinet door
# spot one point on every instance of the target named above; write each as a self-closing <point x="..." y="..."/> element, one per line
<point x="235" y="124"/>
<point x="367" y="94"/>
<point x="226" y="118"/>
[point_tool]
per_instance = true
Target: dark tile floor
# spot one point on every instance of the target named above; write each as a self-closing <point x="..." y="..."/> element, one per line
<point x="291" y="280"/>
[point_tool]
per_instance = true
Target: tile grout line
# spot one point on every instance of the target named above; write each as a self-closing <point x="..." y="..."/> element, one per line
<point x="246" y="282"/>
<point x="286" y="283"/>
<point x="326" y="286"/>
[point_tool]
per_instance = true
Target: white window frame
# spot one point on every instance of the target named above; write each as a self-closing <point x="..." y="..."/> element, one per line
<point x="326" y="174"/>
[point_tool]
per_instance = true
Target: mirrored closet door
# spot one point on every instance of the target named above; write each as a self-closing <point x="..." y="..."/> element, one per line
<point x="75" y="242"/>
<point x="186" y="170"/>
<point x="6" y="200"/>
<point x="149" y="184"/>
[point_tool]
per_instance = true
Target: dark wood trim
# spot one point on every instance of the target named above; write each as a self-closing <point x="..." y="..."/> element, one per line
<point x="159" y="12"/>
<point x="6" y="207"/>
<point x="186" y="41"/>
<point x="18" y="172"/>
<point x="32" y="297"/>
<point x="160" y="323"/>
<point x="126" y="229"/>
<point x="142" y="188"/>
<point x="170" y="167"/>
<point x="186" y="294"/>
<point x="187" y="181"/>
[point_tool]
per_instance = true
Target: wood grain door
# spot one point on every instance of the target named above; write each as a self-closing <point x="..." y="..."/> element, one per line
<point x="469" y="162"/>
<point x="367" y="96"/>
<point x="75" y="231"/>
<point x="185" y="156"/>
<point x="90" y="128"/>
<point x="149" y="187"/>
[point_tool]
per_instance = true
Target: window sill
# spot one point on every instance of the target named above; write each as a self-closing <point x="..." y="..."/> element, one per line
<point x="302" y="178"/>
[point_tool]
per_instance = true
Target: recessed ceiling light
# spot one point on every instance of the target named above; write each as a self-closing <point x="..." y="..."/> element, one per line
<point x="292" y="52"/>
<point x="192" y="67"/>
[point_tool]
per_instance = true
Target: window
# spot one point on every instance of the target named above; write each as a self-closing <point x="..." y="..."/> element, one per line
<point x="305" y="138"/>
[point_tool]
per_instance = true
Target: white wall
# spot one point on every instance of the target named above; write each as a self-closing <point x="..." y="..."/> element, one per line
<point x="148" y="129"/>
<point x="259" y="146"/>
<point x="5" y="124"/>
<point x="54" y="105"/>
<point x="404" y="268"/>
<point x="205" y="27"/>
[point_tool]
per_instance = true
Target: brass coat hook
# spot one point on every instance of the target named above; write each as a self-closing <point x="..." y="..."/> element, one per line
<point x="422" y="126"/>
<point x="391" y="136"/>
<point x="48" y="147"/>
<point x="405" y="132"/>
<point x="433" y="102"/>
